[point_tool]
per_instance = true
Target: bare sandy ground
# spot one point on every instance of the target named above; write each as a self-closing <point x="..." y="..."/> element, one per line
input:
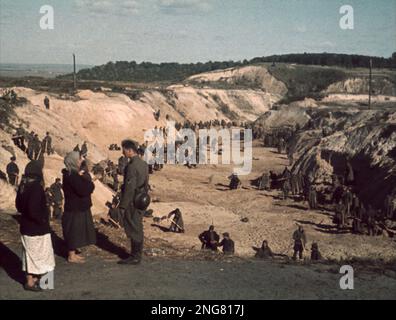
<point x="203" y="200"/>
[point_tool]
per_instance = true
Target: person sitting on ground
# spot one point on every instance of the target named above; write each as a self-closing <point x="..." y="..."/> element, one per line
<point x="315" y="253"/>
<point x="209" y="239"/>
<point x="228" y="244"/>
<point x="234" y="181"/>
<point x="177" y="224"/>
<point x="264" y="252"/>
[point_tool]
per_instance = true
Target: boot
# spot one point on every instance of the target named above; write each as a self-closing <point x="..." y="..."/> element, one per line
<point x="136" y="254"/>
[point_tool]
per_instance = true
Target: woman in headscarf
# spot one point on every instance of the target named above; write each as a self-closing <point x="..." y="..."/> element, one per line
<point x="38" y="254"/>
<point x="77" y="222"/>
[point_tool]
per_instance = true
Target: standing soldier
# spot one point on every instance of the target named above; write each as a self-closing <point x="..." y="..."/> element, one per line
<point x="349" y="174"/>
<point x="340" y="214"/>
<point x="389" y="206"/>
<point x="135" y="184"/>
<point x="13" y="172"/>
<point x="312" y="198"/>
<point x="57" y="198"/>
<point x="264" y="182"/>
<point x="46" y="102"/>
<point x="36" y="147"/>
<point x="46" y="145"/>
<point x="30" y="147"/>
<point x="294" y="184"/>
<point x="299" y="242"/>
<point x="300" y="182"/>
<point x="347" y="198"/>
<point x="371" y="226"/>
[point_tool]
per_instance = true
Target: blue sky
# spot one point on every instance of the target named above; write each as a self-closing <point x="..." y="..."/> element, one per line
<point x="191" y="30"/>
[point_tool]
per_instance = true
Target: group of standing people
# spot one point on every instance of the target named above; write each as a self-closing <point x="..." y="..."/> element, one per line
<point x="77" y="224"/>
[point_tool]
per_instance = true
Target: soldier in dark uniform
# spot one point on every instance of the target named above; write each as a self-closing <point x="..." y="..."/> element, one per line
<point x="264" y="182"/>
<point x="209" y="239"/>
<point x="371" y="226"/>
<point x="46" y="102"/>
<point x="177" y="224"/>
<point x="46" y="145"/>
<point x="299" y="242"/>
<point x="264" y="252"/>
<point x="57" y="198"/>
<point x="13" y="172"/>
<point x="340" y="215"/>
<point x="36" y="147"/>
<point x="135" y="182"/>
<point x="30" y="147"/>
<point x="347" y="200"/>
<point x="312" y="198"/>
<point x="228" y="244"/>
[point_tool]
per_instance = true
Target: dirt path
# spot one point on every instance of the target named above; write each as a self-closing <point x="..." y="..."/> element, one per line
<point x="185" y="279"/>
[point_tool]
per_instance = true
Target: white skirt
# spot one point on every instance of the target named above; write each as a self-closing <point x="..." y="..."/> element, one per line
<point x="37" y="254"/>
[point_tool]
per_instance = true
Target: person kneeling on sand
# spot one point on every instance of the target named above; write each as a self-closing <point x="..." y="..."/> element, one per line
<point x="264" y="252"/>
<point x="315" y="253"/>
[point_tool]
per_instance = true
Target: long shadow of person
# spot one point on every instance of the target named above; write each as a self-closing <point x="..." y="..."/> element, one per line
<point x="162" y="228"/>
<point x="103" y="242"/>
<point x="11" y="264"/>
<point x="59" y="245"/>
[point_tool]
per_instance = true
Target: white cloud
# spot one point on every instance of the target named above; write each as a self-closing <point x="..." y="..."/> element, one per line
<point x="301" y="29"/>
<point x="184" y="6"/>
<point x="109" y="7"/>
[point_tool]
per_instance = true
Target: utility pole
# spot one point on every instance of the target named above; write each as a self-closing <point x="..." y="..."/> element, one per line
<point x="74" y="72"/>
<point x="370" y="78"/>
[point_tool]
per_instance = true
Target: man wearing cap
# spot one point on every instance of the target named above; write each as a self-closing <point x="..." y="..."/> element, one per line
<point x="57" y="197"/>
<point x="135" y="182"/>
<point x="13" y="172"/>
<point x="47" y="144"/>
<point x="227" y="243"/>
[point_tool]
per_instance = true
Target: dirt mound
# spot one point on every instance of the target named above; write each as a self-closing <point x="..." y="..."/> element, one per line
<point x="250" y="76"/>
<point x="284" y="116"/>
<point x="381" y="86"/>
<point x="368" y="139"/>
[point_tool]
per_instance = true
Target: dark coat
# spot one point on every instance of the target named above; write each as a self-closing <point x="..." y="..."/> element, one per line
<point x="31" y="203"/>
<point x="136" y="179"/>
<point x="56" y="192"/>
<point x="206" y="237"/>
<point x="12" y="169"/>
<point x="77" y="190"/>
<point x="264" y="253"/>
<point x="228" y="246"/>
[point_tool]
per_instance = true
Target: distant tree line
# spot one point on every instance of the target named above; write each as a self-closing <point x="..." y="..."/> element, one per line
<point x="151" y="72"/>
<point x="331" y="59"/>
